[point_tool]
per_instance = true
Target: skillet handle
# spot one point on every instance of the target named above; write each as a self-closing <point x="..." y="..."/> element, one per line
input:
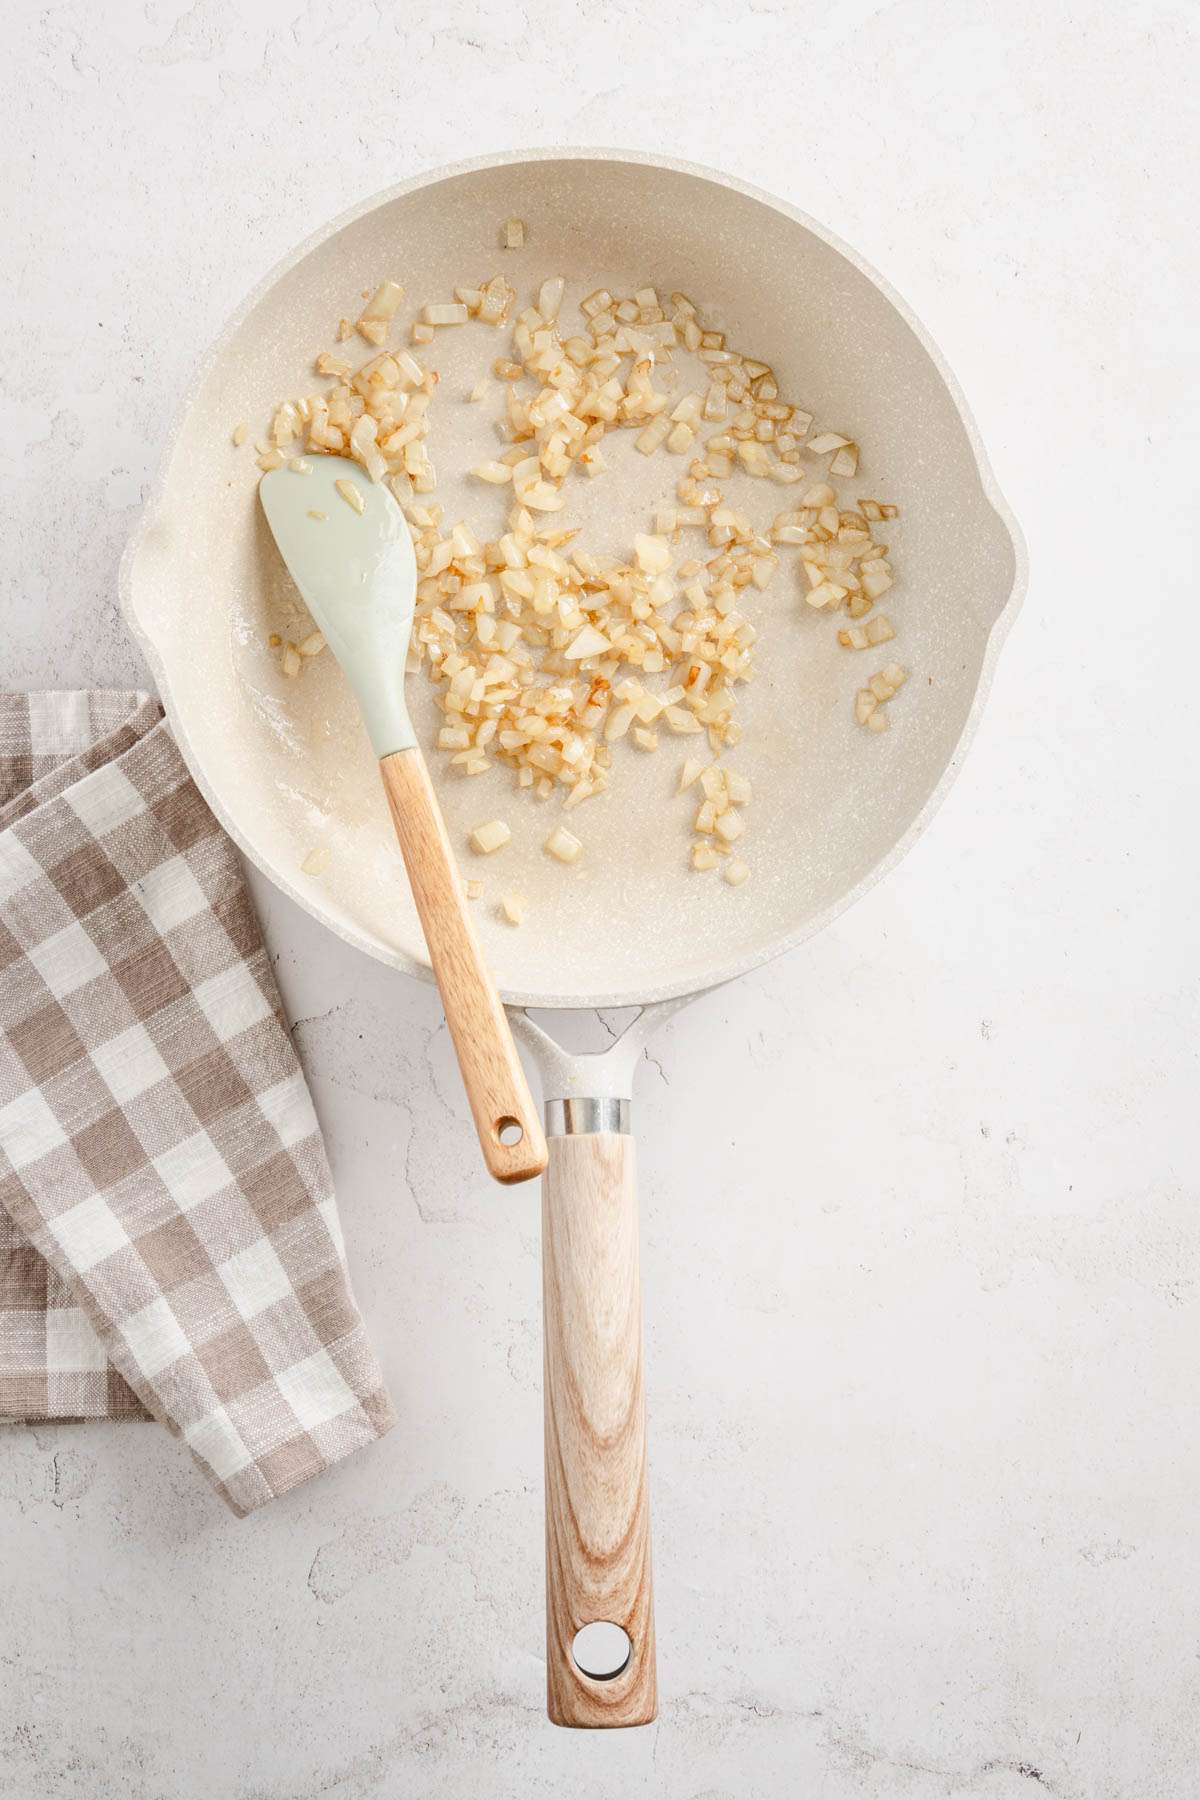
<point x="597" y="1503"/>
<point x="491" y="1069"/>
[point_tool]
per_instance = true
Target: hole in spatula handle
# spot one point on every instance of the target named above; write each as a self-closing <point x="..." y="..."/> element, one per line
<point x="510" y="1132"/>
<point x="601" y="1650"/>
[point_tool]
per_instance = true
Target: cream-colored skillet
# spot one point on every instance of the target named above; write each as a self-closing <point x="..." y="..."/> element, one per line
<point x="288" y="768"/>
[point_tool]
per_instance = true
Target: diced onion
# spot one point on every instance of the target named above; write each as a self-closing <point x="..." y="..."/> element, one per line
<point x="491" y="836"/>
<point x="453" y="312"/>
<point x="563" y="844"/>
<point x="589" y="642"/>
<point x="544" y="654"/>
<point x="653" y="553"/>
<point x="384" y="302"/>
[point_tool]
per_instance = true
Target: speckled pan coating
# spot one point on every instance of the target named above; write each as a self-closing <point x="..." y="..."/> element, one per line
<point x="287" y="766"/>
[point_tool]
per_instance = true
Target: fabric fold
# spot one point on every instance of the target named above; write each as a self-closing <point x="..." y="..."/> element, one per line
<point x="169" y="1238"/>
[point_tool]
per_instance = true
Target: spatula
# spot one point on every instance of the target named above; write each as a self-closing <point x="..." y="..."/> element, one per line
<point x="349" y="551"/>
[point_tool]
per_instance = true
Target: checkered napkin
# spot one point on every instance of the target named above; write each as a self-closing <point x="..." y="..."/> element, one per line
<point x="169" y="1240"/>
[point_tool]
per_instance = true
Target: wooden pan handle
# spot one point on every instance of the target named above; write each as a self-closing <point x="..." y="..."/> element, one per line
<point x="491" y="1069"/>
<point x="597" y="1503"/>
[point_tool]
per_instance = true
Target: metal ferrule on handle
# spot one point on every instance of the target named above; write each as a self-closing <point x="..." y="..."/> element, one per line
<point x="581" y="1116"/>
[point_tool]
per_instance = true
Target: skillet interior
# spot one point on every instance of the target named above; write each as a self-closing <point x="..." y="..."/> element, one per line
<point x="287" y="763"/>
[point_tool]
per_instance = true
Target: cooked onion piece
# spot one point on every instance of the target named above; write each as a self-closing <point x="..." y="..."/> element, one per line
<point x="384" y="302"/>
<point x="491" y="836"/>
<point x="452" y="313"/>
<point x="564" y="845"/>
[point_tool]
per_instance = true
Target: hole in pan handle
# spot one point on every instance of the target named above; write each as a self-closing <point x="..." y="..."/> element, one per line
<point x="601" y="1650"/>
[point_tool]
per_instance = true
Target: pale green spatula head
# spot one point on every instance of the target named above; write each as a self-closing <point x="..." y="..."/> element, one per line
<point x="358" y="577"/>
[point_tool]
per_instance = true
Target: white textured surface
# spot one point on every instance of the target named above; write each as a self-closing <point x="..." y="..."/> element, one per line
<point x="922" y="1255"/>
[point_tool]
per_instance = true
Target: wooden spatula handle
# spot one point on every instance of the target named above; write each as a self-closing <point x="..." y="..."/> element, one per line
<point x="491" y="1069"/>
<point x="597" y="1502"/>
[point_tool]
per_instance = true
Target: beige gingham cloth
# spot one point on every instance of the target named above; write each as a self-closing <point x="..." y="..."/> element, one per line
<point x="169" y="1239"/>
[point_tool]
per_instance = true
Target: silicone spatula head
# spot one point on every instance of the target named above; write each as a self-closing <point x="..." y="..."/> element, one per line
<point x="352" y="560"/>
